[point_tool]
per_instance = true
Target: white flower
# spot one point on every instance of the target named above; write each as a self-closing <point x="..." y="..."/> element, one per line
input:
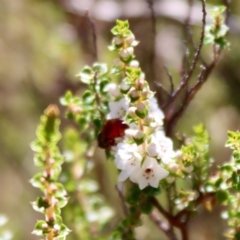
<point x="114" y="90"/>
<point x="164" y="147"/>
<point x="155" y="111"/>
<point x="127" y="159"/>
<point x="118" y="109"/>
<point x="150" y="173"/>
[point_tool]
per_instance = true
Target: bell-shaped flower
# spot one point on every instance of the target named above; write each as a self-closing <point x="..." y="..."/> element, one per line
<point x="149" y="173"/>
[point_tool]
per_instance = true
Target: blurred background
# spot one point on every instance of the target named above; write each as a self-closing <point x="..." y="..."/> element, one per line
<point x="45" y="43"/>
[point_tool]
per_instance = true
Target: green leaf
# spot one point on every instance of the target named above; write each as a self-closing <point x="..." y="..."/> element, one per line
<point x="39" y="228"/>
<point x="97" y="124"/>
<point x="36" y="181"/>
<point x="88" y="97"/>
<point x="237" y="235"/>
<point x="37" y="146"/>
<point x="87" y="75"/>
<point x="64" y="231"/>
<point x="103" y="85"/>
<point x="217" y="10"/>
<point x="42" y="203"/>
<point x="66" y="99"/>
<point x="146" y="207"/>
<point x="60" y="191"/>
<point x="142" y="114"/>
<point x="222" y="196"/>
<point x="151" y="191"/>
<point x="100" y="68"/>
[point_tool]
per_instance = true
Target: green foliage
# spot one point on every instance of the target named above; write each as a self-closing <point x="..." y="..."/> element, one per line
<point x="229" y="175"/>
<point x="216" y="32"/>
<point x="49" y="159"/>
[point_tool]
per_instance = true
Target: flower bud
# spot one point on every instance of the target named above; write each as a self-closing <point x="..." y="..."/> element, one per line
<point x="170" y="179"/>
<point x="141" y="110"/>
<point x="134" y="64"/>
<point x="129" y="40"/>
<point x="114" y="90"/>
<point x="138" y="134"/>
<point x="188" y="169"/>
<point x="139" y="84"/>
<point x="173" y="167"/>
<point x="125" y="87"/>
<point x="138" y="137"/>
<point x="126" y="53"/>
<point x="131" y="112"/>
<point x="148" y="119"/>
<point x="152" y="150"/>
<point x="117" y="41"/>
<point x="134" y="95"/>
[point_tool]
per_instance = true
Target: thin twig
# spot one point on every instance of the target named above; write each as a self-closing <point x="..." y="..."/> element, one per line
<point x="227" y="4"/>
<point x="203" y="76"/>
<point x="94" y="36"/>
<point x="189" y="40"/>
<point x="121" y="196"/>
<point x="163" y="89"/>
<point x="170" y="80"/>
<point x="152" y="60"/>
<point x="162" y="225"/>
<point x="171" y="219"/>
<point x="185" y="80"/>
<point x="187" y="77"/>
<point x="201" y="198"/>
<point x="171" y="88"/>
<point x="170" y="209"/>
<point x="98" y="99"/>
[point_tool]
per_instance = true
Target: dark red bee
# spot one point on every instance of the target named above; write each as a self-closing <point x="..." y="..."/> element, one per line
<point x="112" y="128"/>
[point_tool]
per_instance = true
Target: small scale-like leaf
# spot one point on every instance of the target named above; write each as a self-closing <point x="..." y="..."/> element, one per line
<point x="39" y="228"/>
<point x="36" y="181"/>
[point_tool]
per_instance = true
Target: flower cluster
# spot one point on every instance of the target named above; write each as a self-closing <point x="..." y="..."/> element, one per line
<point x="144" y="150"/>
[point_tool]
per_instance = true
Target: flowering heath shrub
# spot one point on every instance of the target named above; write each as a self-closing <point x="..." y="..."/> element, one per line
<point x="120" y="114"/>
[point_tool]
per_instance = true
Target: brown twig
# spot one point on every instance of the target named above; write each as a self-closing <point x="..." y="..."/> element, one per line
<point x="164" y="90"/>
<point x="98" y="99"/>
<point x="179" y="220"/>
<point x="227" y="4"/>
<point x="203" y="76"/>
<point x="171" y="219"/>
<point x="121" y="196"/>
<point x="152" y="60"/>
<point x="186" y="78"/>
<point x="171" y="88"/>
<point x="162" y="225"/>
<point x="94" y="37"/>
